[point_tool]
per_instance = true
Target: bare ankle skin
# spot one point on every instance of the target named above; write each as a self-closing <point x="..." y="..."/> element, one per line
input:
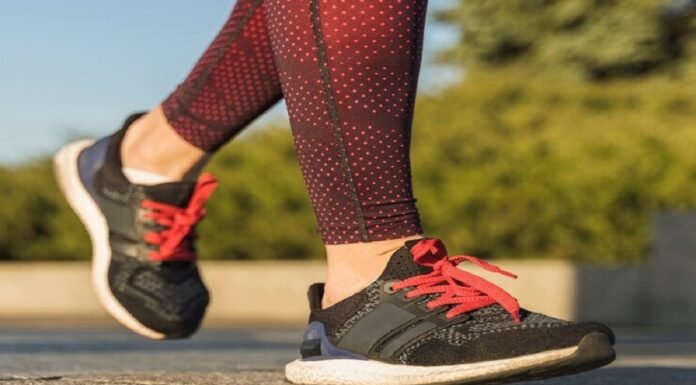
<point x="152" y="145"/>
<point x="352" y="267"/>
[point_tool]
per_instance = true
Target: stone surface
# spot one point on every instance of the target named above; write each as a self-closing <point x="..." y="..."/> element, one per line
<point x="71" y="356"/>
<point x="609" y="376"/>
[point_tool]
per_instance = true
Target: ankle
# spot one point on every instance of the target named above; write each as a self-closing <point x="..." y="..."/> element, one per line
<point x="151" y="145"/>
<point x="352" y="267"/>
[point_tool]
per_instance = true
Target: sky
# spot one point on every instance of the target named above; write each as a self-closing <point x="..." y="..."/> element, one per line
<point x="76" y="68"/>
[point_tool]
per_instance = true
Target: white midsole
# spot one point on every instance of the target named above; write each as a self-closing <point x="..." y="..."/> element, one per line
<point x="66" y="170"/>
<point x="369" y="372"/>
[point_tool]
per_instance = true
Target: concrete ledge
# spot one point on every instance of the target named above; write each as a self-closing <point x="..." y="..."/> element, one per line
<point x="274" y="292"/>
<point x="658" y="293"/>
<point x="241" y="292"/>
<point x="246" y="292"/>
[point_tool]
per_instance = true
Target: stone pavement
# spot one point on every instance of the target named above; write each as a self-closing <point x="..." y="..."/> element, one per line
<point x="106" y="355"/>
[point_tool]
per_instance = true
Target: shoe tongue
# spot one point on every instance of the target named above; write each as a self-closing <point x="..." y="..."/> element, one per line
<point x="175" y="193"/>
<point x="401" y="265"/>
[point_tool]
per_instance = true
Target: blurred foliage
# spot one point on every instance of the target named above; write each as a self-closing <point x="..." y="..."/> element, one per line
<point x="35" y="222"/>
<point x="523" y="167"/>
<point x="261" y="209"/>
<point x="575" y="123"/>
<point x="589" y="38"/>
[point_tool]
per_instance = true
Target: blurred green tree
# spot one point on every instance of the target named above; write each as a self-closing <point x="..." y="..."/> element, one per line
<point x="35" y="222"/>
<point x="593" y="38"/>
<point x="513" y="165"/>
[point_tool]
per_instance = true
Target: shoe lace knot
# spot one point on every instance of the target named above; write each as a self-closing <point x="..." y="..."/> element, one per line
<point x="177" y="223"/>
<point x="463" y="291"/>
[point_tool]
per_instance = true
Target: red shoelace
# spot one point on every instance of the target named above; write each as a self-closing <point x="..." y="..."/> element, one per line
<point x="178" y="222"/>
<point x="462" y="290"/>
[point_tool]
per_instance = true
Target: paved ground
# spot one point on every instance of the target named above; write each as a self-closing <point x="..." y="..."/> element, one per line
<point x="67" y="356"/>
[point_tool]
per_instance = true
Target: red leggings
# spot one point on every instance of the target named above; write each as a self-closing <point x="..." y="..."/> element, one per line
<point x="348" y="70"/>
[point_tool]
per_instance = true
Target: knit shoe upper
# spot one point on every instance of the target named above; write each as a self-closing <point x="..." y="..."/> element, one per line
<point x="424" y="310"/>
<point x="150" y="248"/>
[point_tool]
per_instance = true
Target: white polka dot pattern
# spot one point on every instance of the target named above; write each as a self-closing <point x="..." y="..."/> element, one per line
<point x="349" y="83"/>
<point x="348" y="70"/>
<point x="233" y="83"/>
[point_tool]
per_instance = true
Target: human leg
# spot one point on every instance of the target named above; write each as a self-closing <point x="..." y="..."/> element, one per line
<point x="349" y="72"/>
<point x="233" y="83"/>
<point x="136" y="190"/>
<point x="394" y="310"/>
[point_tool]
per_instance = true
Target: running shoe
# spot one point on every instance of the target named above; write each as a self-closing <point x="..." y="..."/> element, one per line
<point x="144" y="261"/>
<point x="427" y="321"/>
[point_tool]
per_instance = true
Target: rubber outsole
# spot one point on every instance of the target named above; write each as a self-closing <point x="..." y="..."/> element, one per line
<point x="66" y="174"/>
<point x="593" y="351"/>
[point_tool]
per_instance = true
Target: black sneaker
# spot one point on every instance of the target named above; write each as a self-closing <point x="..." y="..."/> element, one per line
<point x="143" y="264"/>
<point x="425" y="321"/>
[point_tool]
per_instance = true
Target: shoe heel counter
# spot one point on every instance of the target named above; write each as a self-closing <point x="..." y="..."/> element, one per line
<point x="317" y="345"/>
<point x="90" y="161"/>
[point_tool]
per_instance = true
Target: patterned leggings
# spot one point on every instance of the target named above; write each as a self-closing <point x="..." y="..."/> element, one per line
<point x="348" y="71"/>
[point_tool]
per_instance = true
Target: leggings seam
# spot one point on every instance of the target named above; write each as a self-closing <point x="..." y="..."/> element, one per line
<point x="415" y="71"/>
<point x="333" y="114"/>
<point x="188" y="97"/>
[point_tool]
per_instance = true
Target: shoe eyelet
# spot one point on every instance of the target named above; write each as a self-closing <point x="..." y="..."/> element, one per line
<point x="388" y="287"/>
